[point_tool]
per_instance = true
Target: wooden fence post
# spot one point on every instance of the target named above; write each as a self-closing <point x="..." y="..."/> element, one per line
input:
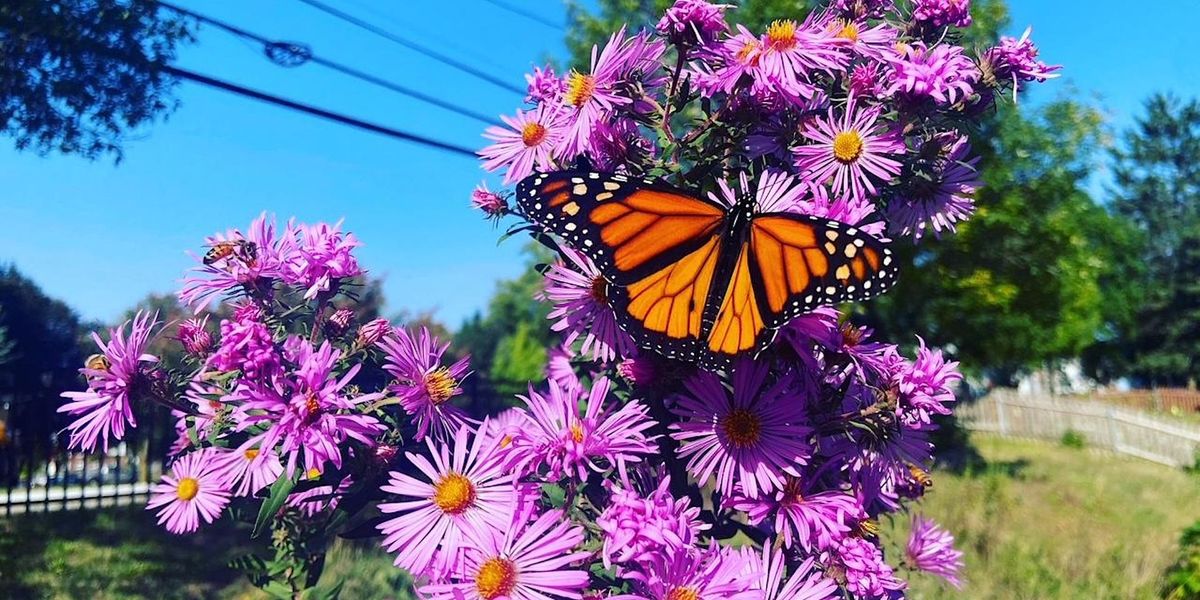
<point x="1000" y="418"/>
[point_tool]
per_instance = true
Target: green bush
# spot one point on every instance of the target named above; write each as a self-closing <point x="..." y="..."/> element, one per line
<point x="1183" y="578"/>
<point x="1073" y="439"/>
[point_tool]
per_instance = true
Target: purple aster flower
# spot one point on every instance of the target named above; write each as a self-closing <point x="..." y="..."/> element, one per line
<point x="235" y="263"/>
<point x="544" y="86"/>
<point x="320" y="499"/>
<point x="505" y="427"/>
<point x="851" y="151"/>
<point x="808" y="517"/>
<point x="306" y="413"/>
<point x="1016" y="60"/>
<point x="527" y="144"/>
<point x="618" y="143"/>
<point x="319" y="257"/>
<point x="638" y="527"/>
<point x="869" y="80"/>
<point x="942" y="73"/>
<point x="244" y="473"/>
<point x="776" y="191"/>
<point x="492" y="205"/>
<point x="559" y="369"/>
<point x="692" y="22"/>
<point x="805" y="583"/>
<point x="569" y="443"/>
<point x="880" y="461"/>
<point x="775" y="134"/>
<point x="941" y="195"/>
<point x="739" y="55"/>
<point x="715" y="573"/>
<point x="866" y="575"/>
<point x="863" y="40"/>
<point x="792" y="53"/>
<point x="115" y="378"/>
<point x="638" y="371"/>
<point x="819" y="327"/>
<point x="531" y="562"/>
<point x="861" y="9"/>
<point x="193" y="335"/>
<point x="423" y="385"/>
<point x="579" y="294"/>
<point x="756" y="436"/>
<point x="191" y="492"/>
<point x="871" y="357"/>
<point x="927" y="384"/>
<point x="940" y="13"/>
<point x="339" y="322"/>
<point x="246" y="345"/>
<point x="931" y="549"/>
<point x="845" y="208"/>
<point x="589" y="98"/>
<point x="466" y="492"/>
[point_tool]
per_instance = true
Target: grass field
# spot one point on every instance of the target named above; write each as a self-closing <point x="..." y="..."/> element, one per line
<point x="1039" y="521"/>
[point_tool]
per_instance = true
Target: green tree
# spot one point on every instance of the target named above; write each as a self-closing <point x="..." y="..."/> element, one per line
<point x="80" y="74"/>
<point x="1157" y="189"/>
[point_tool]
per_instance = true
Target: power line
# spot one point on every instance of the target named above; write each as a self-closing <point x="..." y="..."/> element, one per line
<point x="293" y="54"/>
<point x="317" y="112"/>
<point x="414" y="46"/>
<point x="516" y="10"/>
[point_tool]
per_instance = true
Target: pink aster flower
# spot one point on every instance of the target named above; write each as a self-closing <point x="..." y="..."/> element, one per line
<point x="570" y="442"/>
<point x="942" y="73"/>
<point x="852" y="151"/>
<point x="867" y="574"/>
<point x="638" y="371"/>
<point x="617" y="143"/>
<point x="543" y="86"/>
<point x="234" y="263"/>
<point x="940" y="13"/>
<point x="423" y="385"/>
<point x="1016" y="60"/>
<point x="844" y="208"/>
<point x="559" y="368"/>
<point x="809" y="518"/>
<point x="775" y="191"/>
<point x="192" y="491"/>
<point x="793" y="53"/>
<point x="860" y="9"/>
<point x="692" y="22"/>
<point x="757" y="436"/>
<point x="465" y="491"/>
<point x="536" y="561"/>
<point x="246" y="345"/>
<point x="869" y="80"/>
<point x="244" y="473"/>
<point x="880" y="463"/>
<point x="637" y="527"/>
<point x="193" y="335"/>
<point x="579" y="294"/>
<point x="927" y="384"/>
<point x="740" y="54"/>
<point x="589" y="98"/>
<point x="320" y="499"/>
<point x="527" y="144"/>
<point x="714" y="573"/>
<point x="805" y="583"/>
<point x="492" y="205"/>
<point x="319" y="256"/>
<point x="307" y="414"/>
<point x="862" y="39"/>
<point x="941" y="196"/>
<point x="372" y="332"/>
<point x="115" y="378"/>
<point x="931" y="549"/>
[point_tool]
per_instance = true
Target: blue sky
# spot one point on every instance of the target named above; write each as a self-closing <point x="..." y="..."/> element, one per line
<point x="102" y="236"/>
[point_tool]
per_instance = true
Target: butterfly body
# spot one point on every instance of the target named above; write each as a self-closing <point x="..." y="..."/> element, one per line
<point x="694" y="279"/>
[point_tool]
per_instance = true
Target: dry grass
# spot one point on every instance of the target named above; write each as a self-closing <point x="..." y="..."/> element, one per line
<point x="1043" y="521"/>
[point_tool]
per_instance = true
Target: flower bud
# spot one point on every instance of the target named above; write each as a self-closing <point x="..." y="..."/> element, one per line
<point x="370" y="333"/>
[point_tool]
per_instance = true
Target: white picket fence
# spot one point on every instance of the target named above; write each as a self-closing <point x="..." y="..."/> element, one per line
<point x="1165" y="440"/>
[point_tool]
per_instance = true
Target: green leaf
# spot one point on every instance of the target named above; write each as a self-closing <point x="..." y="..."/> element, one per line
<point x="555" y="495"/>
<point x="279" y="493"/>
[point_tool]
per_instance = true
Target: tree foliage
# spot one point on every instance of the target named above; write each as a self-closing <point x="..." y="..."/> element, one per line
<point x="78" y="75"/>
<point x="1157" y="188"/>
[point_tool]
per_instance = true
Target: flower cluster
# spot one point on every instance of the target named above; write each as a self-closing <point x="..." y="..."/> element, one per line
<point x="623" y="474"/>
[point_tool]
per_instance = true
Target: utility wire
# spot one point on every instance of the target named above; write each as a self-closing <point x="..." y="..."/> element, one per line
<point x="299" y="53"/>
<point x="414" y="46"/>
<point x="317" y="112"/>
<point x="516" y="10"/>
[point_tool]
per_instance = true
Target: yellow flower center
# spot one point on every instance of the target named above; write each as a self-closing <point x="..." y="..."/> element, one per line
<point x="312" y="406"/>
<point x="580" y="89"/>
<point x="251" y="453"/>
<point x="440" y="385"/>
<point x="684" y="593"/>
<point x="577" y="433"/>
<point x="188" y="488"/>
<point x="849" y="31"/>
<point x="847" y="146"/>
<point x="454" y="494"/>
<point x="749" y="53"/>
<point x="533" y="134"/>
<point x="781" y="35"/>
<point x="313" y="473"/>
<point x="742" y="428"/>
<point x="497" y="577"/>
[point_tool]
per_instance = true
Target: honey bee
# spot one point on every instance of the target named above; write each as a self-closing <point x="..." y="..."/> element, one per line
<point x="97" y="362"/>
<point x="247" y="251"/>
<point x="921" y="476"/>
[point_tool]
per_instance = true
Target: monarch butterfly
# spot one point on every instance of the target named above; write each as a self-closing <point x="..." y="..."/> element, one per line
<point x="694" y="280"/>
